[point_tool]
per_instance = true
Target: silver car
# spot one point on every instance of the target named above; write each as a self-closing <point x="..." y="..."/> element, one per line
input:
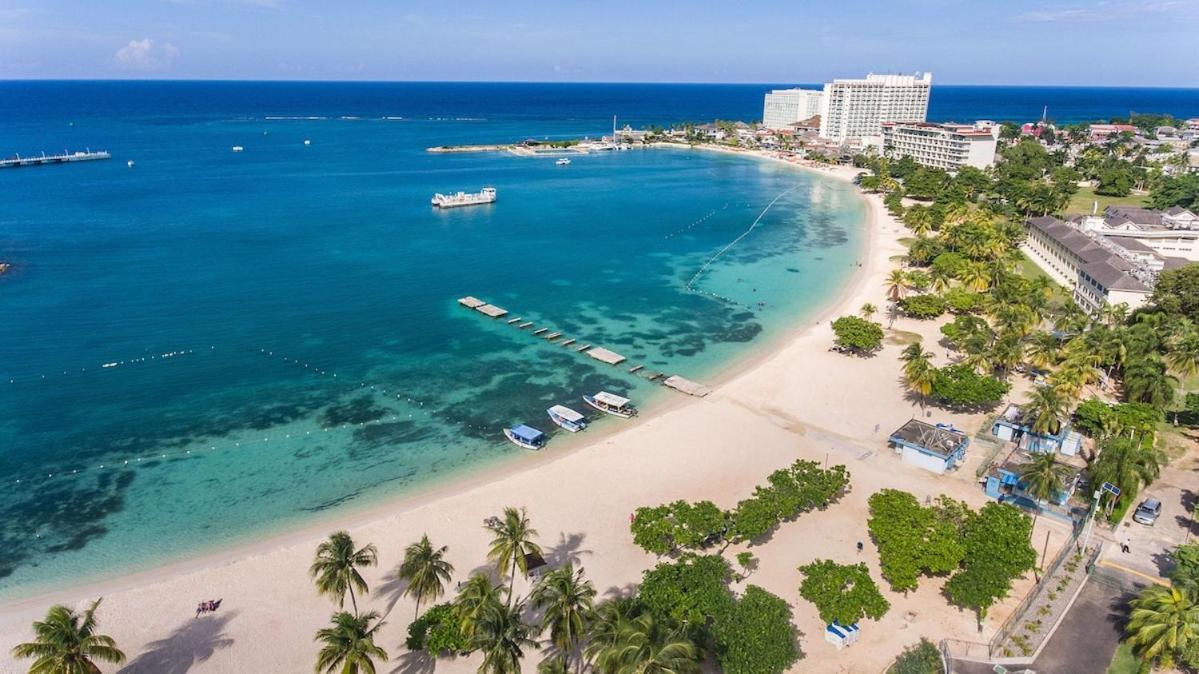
<point x="1148" y="512"/>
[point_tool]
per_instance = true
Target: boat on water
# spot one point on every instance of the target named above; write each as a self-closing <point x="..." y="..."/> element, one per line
<point x="610" y="403"/>
<point x="485" y="196"/>
<point x="562" y="162"/>
<point x="129" y="163"/>
<point x="238" y="148"/>
<point x="567" y="418"/>
<point x="525" y="436"/>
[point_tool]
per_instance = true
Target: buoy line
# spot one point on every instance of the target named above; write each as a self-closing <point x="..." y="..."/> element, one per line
<point x="744" y="234"/>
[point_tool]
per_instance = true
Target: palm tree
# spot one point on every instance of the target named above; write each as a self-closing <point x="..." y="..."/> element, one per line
<point x="919" y="219"/>
<point x="66" y="642"/>
<point x="939" y="279"/>
<point x="606" y="622"/>
<point x="1163" y="622"/>
<point x="1042" y="478"/>
<point x="1042" y="350"/>
<point x="476" y="596"/>
<point x="1047" y="408"/>
<point x="502" y="636"/>
<point x="868" y="310"/>
<point x="566" y="597"/>
<point x="918" y="370"/>
<point x="513" y="541"/>
<point x="349" y="644"/>
<point x="1007" y="352"/>
<point x="644" y="646"/>
<point x="1146" y="381"/>
<point x="897" y="285"/>
<point x="335" y="568"/>
<point x="1182" y="356"/>
<point x="974" y="276"/>
<point x="426" y="571"/>
<point x="1127" y="463"/>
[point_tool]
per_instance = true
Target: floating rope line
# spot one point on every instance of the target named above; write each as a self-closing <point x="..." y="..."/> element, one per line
<point x="688" y="227"/>
<point x="158" y="357"/>
<point x="735" y="241"/>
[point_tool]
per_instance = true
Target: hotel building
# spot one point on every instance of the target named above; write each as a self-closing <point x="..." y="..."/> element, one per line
<point x="785" y="107"/>
<point x="943" y="146"/>
<point x="857" y="108"/>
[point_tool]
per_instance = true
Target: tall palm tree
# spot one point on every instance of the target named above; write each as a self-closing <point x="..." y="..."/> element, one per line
<point x="868" y="310"/>
<point x="975" y="276"/>
<point x="604" y="629"/>
<point x="66" y="642"/>
<point x="476" y="596"/>
<point x="335" y="568"/>
<point x="1042" y="350"/>
<point x="502" y="635"/>
<point x="644" y="646"/>
<point x="1182" y="355"/>
<point x="1042" y="478"/>
<point x="1163" y="622"/>
<point x="919" y="219"/>
<point x="1047" y="408"/>
<point x="1146" y="381"/>
<point x="349" y="644"/>
<point x="512" y="542"/>
<point x="1007" y="352"/>
<point x="939" y="279"/>
<point x="918" y="370"/>
<point x="426" y="571"/>
<point x="1127" y="463"/>
<point x="896" y="284"/>
<point x="567" y="599"/>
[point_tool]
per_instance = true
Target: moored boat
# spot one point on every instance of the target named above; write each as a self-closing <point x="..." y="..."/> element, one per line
<point x="525" y="436"/>
<point x="485" y="196"/>
<point x="610" y="403"/>
<point x="562" y="162"/>
<point x="567" y="418"/>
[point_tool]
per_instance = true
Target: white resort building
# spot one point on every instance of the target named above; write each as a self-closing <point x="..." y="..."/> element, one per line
<point x="943" y="146"/>
<point x="785" y="107"/>
<point x="1172" y="233"/>
<point x="856" y="108"/>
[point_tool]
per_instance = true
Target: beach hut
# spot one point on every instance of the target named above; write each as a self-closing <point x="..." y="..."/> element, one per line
<point x="1014" y="426"/>
<point x="534" y="562"/>
<point x="841" y="635"/>
<point x="934" y="448"/>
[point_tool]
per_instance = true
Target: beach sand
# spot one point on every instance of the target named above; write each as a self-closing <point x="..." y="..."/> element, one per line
<point x="801" y="400"/>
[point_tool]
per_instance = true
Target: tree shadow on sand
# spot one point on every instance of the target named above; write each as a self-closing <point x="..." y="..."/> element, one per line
<point x="192" y="643"/>
<point x="414" y="662"/>
<point x="392" y="588"/>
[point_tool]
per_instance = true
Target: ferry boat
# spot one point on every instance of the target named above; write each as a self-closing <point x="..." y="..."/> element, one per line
<point x="567" y="418"/>
<point x="562" y="162"/>
<point x="610" y="403"/>
<point x="525" y="436"/>
<point x="485" y="196"/>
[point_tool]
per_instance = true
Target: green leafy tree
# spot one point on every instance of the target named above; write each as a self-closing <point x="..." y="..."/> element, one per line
<point x="678" y="526"/>
<point x="755" y="636"/>
<point x="842" y="593"/>
<point x="1163" y="626"/>
<point x="998" y="552"/>
<point x="789" y="492"/>
<point x="1176" y="291"/>
<point x="348" y="645"/>
<point x="335" y="568"/>
<point x="923" y="306"/>
<point x="437" y="631"/>
<point x="511" y="544"/>
<point x="66" y="642"/>
<point x="690" y="591"/>
<point x="960" y="386"/>
<point x="1182" y="190"/>
<point x="566" y="596"/>
<point x="921" y="658"/>
<point x="426" y="571"/>
<point x="914" y="540"/>
<point x="858" y="334"/>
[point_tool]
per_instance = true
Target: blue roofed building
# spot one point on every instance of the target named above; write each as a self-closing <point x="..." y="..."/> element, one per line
<point x="1013" y="425"/>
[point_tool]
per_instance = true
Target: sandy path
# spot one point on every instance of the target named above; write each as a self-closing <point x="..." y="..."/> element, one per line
<point x="800" y="401"/>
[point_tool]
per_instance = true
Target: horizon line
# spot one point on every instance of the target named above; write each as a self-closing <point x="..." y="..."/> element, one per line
<point x="556" y="82"/>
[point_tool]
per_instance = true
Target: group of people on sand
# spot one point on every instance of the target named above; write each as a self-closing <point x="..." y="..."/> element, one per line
<point x="207" y="606"/>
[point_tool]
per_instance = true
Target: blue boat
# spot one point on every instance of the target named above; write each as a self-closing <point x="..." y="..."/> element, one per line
<point x="526" y="436"/>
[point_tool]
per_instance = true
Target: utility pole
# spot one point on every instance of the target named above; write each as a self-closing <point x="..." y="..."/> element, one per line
<point x="1091" y="523"/>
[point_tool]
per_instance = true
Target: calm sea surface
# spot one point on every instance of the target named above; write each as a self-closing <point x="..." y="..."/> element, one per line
<point x="280" y="325"/>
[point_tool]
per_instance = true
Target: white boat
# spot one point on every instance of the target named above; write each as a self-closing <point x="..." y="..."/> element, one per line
<point x="129" y="163"/>
<point x="485" y="196"/>
<point x="562" y="162"/>
<point x="238" y="148"/>
<point x="567" y="418"/>
<point x="525" y="436"/>
<point x="308" y="142"/>
<point x="610" y="403"/>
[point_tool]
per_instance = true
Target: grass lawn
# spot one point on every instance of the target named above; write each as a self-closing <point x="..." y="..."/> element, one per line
<point x="1124" y="662"/>
<point x="1084" y="199"/>
<point x="1029" y="270"/>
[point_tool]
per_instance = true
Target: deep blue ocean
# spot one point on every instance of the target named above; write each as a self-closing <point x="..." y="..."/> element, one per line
<point x="280" y="325"/>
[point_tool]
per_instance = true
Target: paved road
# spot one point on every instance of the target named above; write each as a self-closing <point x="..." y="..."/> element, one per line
<point x="1088" y="636"/>
<point x="1178" y="490"/>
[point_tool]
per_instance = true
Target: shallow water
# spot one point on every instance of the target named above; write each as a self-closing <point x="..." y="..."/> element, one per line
<point x="308" y="296"/>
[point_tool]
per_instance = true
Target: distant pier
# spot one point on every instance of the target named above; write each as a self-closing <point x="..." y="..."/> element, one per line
<point x="64" y="158"/>
<point x="599" y="353"/>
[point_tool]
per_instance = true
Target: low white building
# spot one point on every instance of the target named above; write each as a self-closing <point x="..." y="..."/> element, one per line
<point x="1098" y="271"/>
<point x="784" y="107"/>
<point x="943" y="146"/>
<point x="1173" y="233"/>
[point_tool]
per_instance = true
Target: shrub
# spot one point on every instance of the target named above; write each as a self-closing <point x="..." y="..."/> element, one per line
<point x="437" y="631"/>
<point x="842" y="593"/>
<point x="922" y="306"/>
<point x="961" y="386"/>
<point x="858" y="334"/>
<point x="922" y="658"/>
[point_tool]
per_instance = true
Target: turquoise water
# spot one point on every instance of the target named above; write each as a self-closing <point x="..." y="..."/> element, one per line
<point x="268" y="272"/>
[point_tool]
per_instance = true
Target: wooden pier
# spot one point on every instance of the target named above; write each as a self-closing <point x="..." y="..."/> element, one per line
<point x="599" y="353"/>
<point x="64" y="158"/>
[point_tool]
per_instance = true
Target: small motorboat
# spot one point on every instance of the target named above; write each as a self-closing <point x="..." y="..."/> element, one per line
<point x="525" y="436"/>
<point x="610" y="403"/>
<point x="129" y="163"/>
<point x="567" y="418"/>
<point x="308" y="142"/>
<point x="238" y="148"/>
<point x="562" y="162"/>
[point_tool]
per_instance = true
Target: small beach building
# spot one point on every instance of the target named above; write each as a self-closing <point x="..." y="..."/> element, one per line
<point x="936" y="448"/>
<point x="1002" y="481"/>
<point x="1013" y="425"/>
<point x="841" y="635"/>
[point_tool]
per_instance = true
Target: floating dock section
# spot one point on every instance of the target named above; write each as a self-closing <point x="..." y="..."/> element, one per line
<point x="64" y="158"/>
<point x="606" y="356"/>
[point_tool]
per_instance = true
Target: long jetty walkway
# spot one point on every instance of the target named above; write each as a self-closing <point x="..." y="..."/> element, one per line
<point x="599" y="353"/>
<point x="64" y="158"/>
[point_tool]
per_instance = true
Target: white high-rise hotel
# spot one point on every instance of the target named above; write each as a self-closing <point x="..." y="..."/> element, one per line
<point x="853" y="108"/>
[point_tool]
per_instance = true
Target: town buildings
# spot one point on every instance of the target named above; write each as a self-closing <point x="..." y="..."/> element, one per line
<point x="785" y="107"/>
<point x="943" y="146"/>
<point x="856" y="108"/>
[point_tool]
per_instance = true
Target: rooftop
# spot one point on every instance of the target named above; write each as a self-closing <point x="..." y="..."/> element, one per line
<point x="940" y="441"/>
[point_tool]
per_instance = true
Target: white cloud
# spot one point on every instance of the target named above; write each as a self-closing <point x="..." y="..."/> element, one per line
<point x="1107" y="11"/>
<point x="144" y="54"/>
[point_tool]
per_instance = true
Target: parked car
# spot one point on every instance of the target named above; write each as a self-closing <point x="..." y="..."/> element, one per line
<point x="1148" y="511"/>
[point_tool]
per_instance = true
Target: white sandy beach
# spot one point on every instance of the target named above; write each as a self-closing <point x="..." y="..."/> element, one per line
<point x="801" y="401"/>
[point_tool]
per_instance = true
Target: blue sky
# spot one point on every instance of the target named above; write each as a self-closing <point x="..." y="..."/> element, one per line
<point x="1109" y="42"/>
